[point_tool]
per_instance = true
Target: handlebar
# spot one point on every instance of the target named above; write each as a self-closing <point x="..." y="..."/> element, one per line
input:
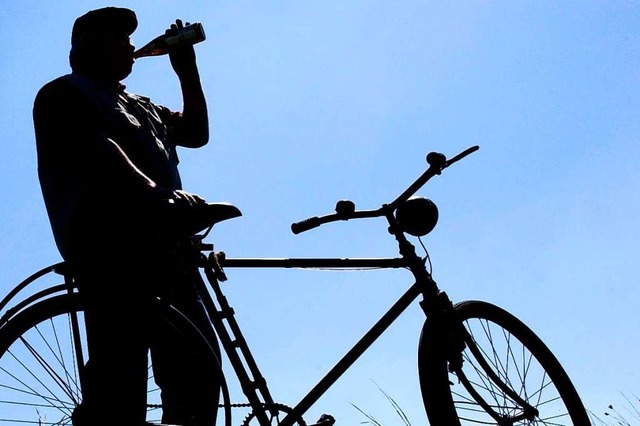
<point x="345" y="209"/>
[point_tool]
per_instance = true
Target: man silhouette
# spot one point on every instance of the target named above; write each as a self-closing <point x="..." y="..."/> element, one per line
<point x="108" y="169"/>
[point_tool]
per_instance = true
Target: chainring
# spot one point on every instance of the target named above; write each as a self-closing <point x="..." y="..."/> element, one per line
<point x="273" y="418"/>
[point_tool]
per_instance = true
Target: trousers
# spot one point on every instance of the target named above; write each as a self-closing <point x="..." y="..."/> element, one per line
<point x="123" y="300"/>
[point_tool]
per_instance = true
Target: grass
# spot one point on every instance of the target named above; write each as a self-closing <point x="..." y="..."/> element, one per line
<point x="627" y="415"/>
<point x="372" y="421"/>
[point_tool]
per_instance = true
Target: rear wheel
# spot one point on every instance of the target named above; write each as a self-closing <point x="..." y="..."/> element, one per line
<point x="39" y="362"/>
<point x="508" y="375"/>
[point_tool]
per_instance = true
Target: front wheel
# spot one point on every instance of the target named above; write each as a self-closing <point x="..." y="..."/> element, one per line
<point x="508" y="376"/>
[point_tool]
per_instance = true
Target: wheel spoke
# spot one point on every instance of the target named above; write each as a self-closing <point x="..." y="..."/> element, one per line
<point x="508" y="376"/>
<point x="52" y="400"/>
<point x="39" y="382"/>
<point x="65" y="385"/>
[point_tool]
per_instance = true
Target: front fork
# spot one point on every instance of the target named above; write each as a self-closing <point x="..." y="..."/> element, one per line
<point x="436" y="304"/>
<point x="453" y="339"/>
<point x="441" y="343"/>
<point x="440" y="311"/>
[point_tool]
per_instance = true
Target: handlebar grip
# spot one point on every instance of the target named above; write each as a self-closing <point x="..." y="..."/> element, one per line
<point x="305" y="225"/>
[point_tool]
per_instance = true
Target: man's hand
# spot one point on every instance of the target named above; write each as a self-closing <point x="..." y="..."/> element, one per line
<point x="183" y="58"/>
<point x="182" y="198"/>
<point x="188" y="214"/>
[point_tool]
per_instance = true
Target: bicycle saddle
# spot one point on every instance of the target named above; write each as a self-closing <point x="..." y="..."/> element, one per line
<point x="194" y="219"/>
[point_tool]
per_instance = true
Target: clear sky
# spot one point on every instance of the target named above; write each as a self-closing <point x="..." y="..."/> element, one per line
<point x="316" y="101"/>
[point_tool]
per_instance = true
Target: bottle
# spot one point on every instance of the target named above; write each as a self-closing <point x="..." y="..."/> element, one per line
<point x="190" y="34"/>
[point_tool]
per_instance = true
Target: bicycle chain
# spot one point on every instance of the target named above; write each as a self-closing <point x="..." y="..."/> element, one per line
<point x="280" y="407"/>
<point x="232" y="405"/>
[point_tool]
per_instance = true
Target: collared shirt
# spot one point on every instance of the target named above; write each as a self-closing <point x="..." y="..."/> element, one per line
<point x="74" y="118"/>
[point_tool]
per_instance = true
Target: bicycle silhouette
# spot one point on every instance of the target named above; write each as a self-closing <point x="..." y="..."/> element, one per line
<point x="477" y="363"/>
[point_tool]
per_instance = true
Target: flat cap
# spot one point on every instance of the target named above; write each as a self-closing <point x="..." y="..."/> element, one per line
<point x="104" y="19"/>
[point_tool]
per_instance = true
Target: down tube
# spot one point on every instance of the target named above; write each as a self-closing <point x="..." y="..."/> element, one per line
<point x="354" y="353"/>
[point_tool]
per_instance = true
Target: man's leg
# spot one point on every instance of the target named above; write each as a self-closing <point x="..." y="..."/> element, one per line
<point x="115" y="379"/>
<point x="190" y="384"/>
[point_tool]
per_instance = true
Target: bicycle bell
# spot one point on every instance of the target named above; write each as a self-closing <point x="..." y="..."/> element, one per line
<point x="417" y="216"/>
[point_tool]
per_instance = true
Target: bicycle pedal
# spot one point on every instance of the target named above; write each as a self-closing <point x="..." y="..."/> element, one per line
<point x="324" y="420"/>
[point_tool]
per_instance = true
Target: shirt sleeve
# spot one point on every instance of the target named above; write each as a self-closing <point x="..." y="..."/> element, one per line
<point x="66" y="124"/>
<point x="173" y="123"/>
<point x="64" y="121"/>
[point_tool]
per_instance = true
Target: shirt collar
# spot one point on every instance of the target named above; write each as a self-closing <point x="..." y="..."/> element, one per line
<point x="116" y="88"/>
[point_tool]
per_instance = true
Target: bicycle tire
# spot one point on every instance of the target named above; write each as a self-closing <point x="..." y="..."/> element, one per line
<point x="504" y="363"/>
<point x="39" y="375"/>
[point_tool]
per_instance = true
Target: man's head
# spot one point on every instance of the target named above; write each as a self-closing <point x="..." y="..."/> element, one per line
<point x="100" y="43"/>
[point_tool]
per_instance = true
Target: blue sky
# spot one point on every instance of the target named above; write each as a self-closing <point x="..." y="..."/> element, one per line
<point x="316" y="101"/>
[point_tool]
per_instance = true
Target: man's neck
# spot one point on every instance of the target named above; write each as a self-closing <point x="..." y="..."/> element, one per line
<point x="102" y="81"/>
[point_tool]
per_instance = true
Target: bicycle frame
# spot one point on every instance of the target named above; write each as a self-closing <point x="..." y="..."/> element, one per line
<point x="252" y="382"/>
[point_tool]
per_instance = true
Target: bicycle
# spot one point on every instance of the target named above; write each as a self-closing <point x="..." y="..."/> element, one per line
<point x="477" y="363"/>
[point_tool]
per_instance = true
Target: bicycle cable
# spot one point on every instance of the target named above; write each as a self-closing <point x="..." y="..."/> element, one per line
<point x="345" y="269"/>
<point x="427" y="258"/>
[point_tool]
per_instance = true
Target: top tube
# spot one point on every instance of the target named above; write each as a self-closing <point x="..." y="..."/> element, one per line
<point x="316" y="263"/>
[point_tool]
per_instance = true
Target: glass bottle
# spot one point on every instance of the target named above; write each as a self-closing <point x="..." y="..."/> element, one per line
<point x="190" y="34"/>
